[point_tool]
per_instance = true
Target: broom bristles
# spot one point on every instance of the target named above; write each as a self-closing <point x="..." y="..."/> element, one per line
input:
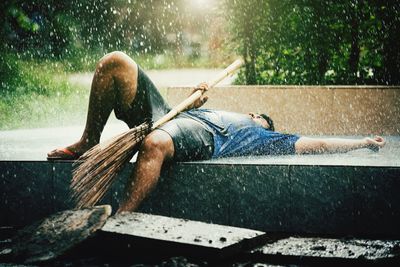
<point x="96" y="170"/>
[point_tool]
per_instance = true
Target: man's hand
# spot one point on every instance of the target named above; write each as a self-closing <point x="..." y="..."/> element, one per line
<point x="203" y="99"/>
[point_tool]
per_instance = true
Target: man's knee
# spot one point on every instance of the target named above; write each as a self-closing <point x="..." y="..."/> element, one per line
<point x="115" y="59"/>
<point x="158" y="142"/>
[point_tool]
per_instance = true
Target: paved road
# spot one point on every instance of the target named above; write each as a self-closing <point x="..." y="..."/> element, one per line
<point x="166" y="78"/>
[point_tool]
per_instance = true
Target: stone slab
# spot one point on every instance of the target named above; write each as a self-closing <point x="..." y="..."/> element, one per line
<point x="199" y="192"/>
<point x="311" y="110"/>
<point x="62" y="172"/>
<point x="322" y="199"/>
<point x="264" y="193"/>
<point x="158" y="201"/>
<point x="289" y="198"/>
<point x="329" y="251"/>
<point x="365" y="110"/>
<point x="377" y="201"/>
<point x="25" y="192"/>
<point x="178" y="230"/>
<point x="179" y="235"/>
<point x="260" y="191"/>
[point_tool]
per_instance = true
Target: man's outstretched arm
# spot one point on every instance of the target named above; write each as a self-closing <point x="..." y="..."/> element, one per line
<point x="306" y="145"/>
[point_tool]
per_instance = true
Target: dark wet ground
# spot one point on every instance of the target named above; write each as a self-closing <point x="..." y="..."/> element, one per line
<point x="275" y="250"/>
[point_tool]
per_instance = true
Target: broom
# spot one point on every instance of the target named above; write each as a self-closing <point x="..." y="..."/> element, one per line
<point x="96" y="170"/>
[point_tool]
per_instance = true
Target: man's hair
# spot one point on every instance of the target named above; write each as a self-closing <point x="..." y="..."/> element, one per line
<point x="269" y="120"/>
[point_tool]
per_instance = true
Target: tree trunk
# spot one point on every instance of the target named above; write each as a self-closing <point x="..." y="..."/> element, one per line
<point x="354" y="57"/>
<point x="391" y="50"/>
<point x="250" y="57"/>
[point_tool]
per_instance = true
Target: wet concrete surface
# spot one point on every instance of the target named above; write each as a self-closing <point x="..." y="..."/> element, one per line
<point x="332" y="248"/>
<point x="33" y="144"/>
<point x="389" y="156"/>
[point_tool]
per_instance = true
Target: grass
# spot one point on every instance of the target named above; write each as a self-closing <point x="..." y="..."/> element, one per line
<point x="35" y="110"/>
<point x="39" y="95"/>
<point x="86" y="62"/>
<point x="36" y="93"/>
<point x="166" y="61"/>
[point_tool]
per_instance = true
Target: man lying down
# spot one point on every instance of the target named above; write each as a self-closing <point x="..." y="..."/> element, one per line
<point x="119" y="84"/>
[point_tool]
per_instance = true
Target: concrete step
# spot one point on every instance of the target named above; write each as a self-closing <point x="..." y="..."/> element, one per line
<point x="318" y="196"/>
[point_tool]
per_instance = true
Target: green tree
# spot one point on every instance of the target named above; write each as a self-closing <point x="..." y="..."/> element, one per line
<point x="317" y="42"/>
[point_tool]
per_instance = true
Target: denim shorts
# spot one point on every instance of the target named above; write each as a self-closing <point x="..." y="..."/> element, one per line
<point x="192" y="141"/>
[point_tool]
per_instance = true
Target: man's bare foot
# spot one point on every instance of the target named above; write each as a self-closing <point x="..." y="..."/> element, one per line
<point x="375" y="143"/>
<point x="71" y="152"/>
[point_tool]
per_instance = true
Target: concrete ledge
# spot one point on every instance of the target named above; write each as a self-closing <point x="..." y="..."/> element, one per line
<point x="309" y="199"/>
<point x="311" y="110"/>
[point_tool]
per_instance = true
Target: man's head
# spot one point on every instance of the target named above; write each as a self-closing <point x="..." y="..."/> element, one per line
<point x="264" y="120"/>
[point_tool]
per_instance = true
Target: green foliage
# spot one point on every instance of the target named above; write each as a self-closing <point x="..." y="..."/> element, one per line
<point x="41" y="40"/>
<point x="36" y="93"/>
<point x="85" y="61"/>
<point x="33" y="92"/>
<point x="316" y="42"/>
<point x="23" y="20"/>
<point x="82" y="31"/>
<point x="29" y="76"/>
<point x="32" y="110"/>
<point x="58" y="29"/>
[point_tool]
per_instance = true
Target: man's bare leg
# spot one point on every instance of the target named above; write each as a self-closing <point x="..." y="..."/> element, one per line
<point x="306" y="145"/>
<point x="157" y="148"/>
<point x="114" y="83"/>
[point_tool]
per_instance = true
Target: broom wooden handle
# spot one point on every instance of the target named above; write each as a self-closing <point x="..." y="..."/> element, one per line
<point x="196" y="95"/>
